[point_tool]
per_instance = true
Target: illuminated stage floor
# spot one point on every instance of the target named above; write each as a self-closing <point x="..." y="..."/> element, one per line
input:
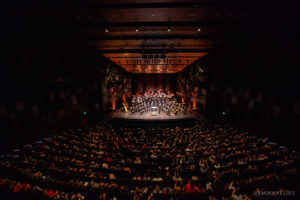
<point x="162" y="116"/>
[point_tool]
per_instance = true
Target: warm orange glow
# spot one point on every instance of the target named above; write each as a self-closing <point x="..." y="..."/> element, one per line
<point x="124" y="98"/>
<point x="171" y="64"/>
<point x="183" y="99"/>
<point x="194" y="100"/>
<point x="194" y="103"/>
<point x="113" y="101"/>
<point x="113" y="105"/>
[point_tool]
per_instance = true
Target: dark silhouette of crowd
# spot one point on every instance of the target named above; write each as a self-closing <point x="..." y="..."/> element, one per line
<point x="205" y="161"/>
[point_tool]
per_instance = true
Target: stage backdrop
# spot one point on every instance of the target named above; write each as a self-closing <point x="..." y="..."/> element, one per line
<point x="166" y="82"/>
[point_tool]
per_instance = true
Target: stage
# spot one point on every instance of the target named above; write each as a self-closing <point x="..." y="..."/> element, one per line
<point x="118" y="114"/>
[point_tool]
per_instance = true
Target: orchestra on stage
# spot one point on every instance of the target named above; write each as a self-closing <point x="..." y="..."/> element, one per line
<point x="155" y="102"/>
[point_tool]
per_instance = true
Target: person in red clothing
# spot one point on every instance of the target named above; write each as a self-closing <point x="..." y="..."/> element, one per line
<point x="50" y="192"/>
<point x="195" y="188"/>
<point x="17" y="187"/>
<point x="27" y="186"/>
<point x="188" y="188"/>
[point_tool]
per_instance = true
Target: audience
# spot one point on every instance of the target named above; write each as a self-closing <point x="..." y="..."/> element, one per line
<point x="205" y="161"/>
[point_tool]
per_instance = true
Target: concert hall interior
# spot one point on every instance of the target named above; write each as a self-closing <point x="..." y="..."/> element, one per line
<point x="149" y="99"/>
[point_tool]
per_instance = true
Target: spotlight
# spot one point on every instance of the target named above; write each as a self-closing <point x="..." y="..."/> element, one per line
<point x="198" y="29"/>
<point x="169" y="28"/>
<point x="106" y="30"/>
<point x="136" y="29"/>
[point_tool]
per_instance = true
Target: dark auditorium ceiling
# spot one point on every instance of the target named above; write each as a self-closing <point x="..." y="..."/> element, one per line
<point x="161" y="36"/>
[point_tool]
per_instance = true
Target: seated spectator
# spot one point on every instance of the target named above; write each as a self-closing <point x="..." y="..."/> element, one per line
<point x="104" y="162"/>
<point x="188" y="187"/>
